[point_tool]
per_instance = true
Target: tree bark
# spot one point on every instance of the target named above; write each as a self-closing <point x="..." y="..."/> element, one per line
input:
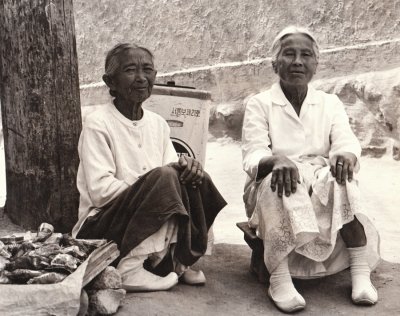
<point x="41" y="111"/>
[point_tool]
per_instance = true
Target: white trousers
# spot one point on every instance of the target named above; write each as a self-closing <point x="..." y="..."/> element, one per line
<point x="154" y="247"/>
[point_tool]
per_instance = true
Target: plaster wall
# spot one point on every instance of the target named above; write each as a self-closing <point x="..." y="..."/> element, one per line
<point x="223" y="46"/>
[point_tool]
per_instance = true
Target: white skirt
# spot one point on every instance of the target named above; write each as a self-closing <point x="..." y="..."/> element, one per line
<point x="306" y="228"/>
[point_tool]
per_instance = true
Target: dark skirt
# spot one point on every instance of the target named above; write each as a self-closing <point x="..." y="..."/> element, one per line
<point x="143" y="208"/>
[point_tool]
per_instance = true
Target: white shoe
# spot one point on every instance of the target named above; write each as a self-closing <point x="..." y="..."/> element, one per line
<point x="193" y="277"/>
<point x="145" y="281"/>
<point x="368" y="296"/>
<point x="282" y="291"/>
<point x="292" y="305"/>
<point x="363" y="292"/>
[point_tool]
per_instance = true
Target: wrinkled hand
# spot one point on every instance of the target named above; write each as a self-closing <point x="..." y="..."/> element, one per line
<point x="285" y="175"/>
<point x="191" y="171"/>
<point x="342" y="166"/>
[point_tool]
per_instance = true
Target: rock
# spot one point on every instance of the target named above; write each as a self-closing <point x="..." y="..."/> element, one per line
<point x="110" y="278"/>
<point x="374" y="151"/>
<point x="226" y="120"/>
<point x="84" y="306"/>
<point x="105" y="302"/>
<point x="396" y="152"/>
<point x="371" y="101"/>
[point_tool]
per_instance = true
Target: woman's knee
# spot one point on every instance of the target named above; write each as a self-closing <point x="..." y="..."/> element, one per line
<point x="166" y="172"/>
<point x="206" y="177"/>
<point x="353" y="234"/>
<point x="265" y="183"/>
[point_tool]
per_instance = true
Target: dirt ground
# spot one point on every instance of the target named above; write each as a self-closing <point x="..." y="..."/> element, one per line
<point x="232" y="290"/>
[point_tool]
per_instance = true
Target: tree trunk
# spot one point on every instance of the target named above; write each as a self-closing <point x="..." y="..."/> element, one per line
<point x="41" y="111"/>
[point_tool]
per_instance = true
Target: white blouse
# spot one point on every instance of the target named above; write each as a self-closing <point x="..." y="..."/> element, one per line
<point x="272" y="127"/>
<point x="114" y="152"/>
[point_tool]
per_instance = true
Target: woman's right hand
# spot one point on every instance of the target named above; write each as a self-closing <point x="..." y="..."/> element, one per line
<point x="285" y="175"/>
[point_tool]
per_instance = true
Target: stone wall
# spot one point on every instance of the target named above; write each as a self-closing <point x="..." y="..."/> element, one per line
<point x="223" y="46"/>
<point x="372" y="103"/>
<point x="185" y="34"/>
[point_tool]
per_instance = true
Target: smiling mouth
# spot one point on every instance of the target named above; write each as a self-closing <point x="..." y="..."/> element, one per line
<point x="139" y="88"/>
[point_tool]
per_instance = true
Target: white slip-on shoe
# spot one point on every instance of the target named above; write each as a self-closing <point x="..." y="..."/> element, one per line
<point x="363" y="292"/>
<point x="365" y="297"/>
<point x="296" y="303"/>
<point x="145" y="281"/>
<point x="193" y="277"/>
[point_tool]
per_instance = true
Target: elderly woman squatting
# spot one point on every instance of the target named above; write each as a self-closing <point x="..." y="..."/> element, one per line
<point x="133" y="188"/>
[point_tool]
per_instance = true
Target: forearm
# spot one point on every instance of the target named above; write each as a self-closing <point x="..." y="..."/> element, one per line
<point x="341" y="136"/>
<point x="105" y="190"/>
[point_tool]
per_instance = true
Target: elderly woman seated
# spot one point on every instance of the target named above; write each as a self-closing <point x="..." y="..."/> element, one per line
<point x="133" y="188"/>
<point x="301" y="194"/>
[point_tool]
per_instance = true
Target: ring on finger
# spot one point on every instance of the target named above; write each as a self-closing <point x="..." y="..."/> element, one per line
<point x="339" y="163"/>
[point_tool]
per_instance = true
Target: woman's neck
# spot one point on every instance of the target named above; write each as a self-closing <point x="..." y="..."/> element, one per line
<point x="132" y="111"/>
<point x="295" y="95"/>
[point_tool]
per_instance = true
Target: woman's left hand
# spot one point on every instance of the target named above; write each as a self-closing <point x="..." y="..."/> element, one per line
<point x="342" y="166"/>
<point x="191" y="171"/>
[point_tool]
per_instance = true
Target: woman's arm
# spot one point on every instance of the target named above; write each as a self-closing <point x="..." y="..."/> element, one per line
<point x="255" y="138"/>
<point x="258" y="160"/>
<point x="345" y="148"/>
<point x="285" y="174"/>
<point x="341" y="136"/>
<point x="98" y="165"/>
<point x="169" y="154"/>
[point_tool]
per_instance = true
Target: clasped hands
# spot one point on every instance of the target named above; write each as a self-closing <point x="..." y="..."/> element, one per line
<point x="285" y="175"/>
<point x="191" y="170"/>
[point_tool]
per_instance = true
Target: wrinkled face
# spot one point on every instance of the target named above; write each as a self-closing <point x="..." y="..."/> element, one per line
<point x="134" y="79"/>
<point x="296" y="63"/>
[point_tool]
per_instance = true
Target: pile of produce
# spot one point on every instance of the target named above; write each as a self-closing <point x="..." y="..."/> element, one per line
<point x="46" y="258"/>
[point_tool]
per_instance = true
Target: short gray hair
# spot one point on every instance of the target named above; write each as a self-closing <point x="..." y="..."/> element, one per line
<point x="112" y="61"/>
<point x="292" y="29"/>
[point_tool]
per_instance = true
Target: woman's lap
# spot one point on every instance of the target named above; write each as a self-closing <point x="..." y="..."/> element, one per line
<point x="305" y="225"/>
<point x="143" y="208"/>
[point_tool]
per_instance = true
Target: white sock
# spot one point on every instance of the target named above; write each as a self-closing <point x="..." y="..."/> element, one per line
<point x="363" y="291"/>
<point x="281" y="284"/>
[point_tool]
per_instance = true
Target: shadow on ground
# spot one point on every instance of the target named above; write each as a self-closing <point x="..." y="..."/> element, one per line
<point x="232" y="290"/>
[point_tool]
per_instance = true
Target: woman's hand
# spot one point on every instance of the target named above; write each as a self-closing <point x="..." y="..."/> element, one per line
<point x="342" y="166"/>
<point x="285" y="175"/>
<point x="191" y="171"/>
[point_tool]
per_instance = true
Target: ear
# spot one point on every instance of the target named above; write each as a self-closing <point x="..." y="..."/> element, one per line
<point x="109" y="81"/>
